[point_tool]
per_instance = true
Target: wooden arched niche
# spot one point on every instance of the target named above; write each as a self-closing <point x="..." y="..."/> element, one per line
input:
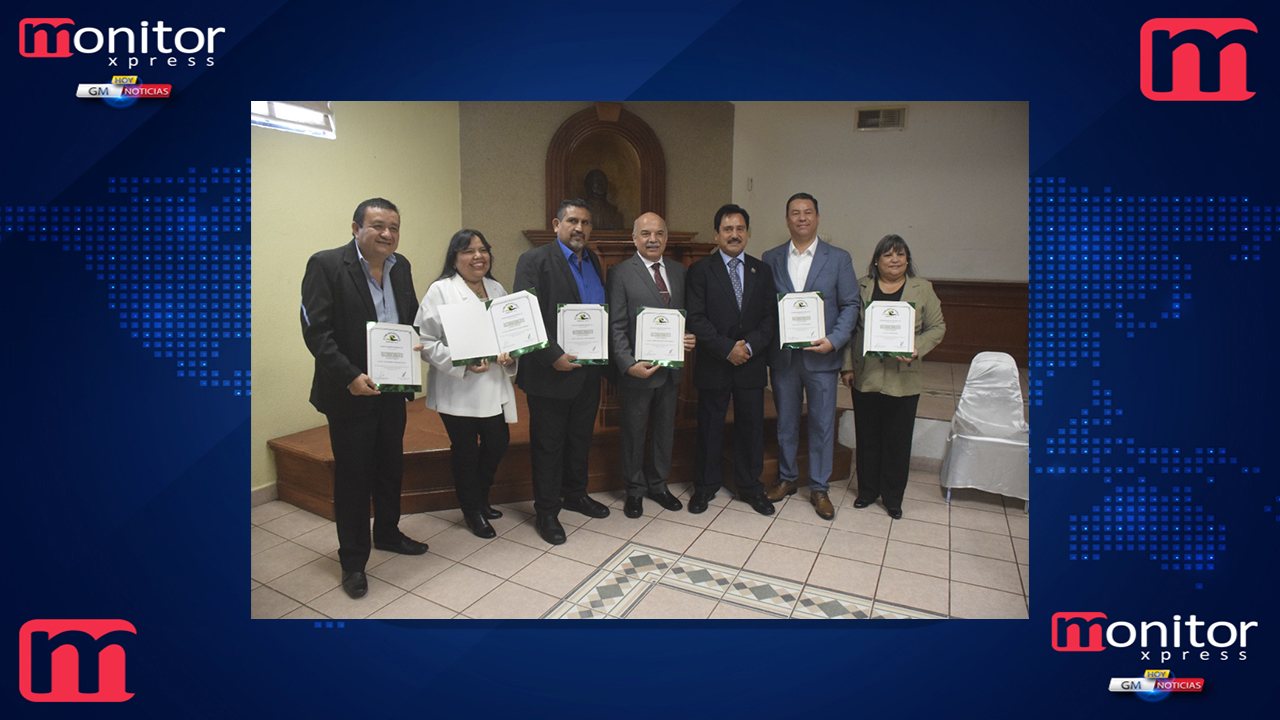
<point x="608" y="139"/>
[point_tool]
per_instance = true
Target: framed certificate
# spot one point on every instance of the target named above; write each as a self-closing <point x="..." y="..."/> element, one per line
<point x="660" y="336"/>
<point x="392" y="363"/>
<point x="583" y="330"/>
<point x="889" y="329"/>
<point x="517" y="323"/>
<point x="802" y="319"/>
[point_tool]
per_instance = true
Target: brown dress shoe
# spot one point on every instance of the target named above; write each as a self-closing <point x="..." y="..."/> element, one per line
<point x="781" y="490"/>
<point x="822" y="504"/>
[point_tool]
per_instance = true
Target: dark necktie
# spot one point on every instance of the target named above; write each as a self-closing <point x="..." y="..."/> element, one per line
<point x="662" y="285"/>
<point x="737" y="281"/>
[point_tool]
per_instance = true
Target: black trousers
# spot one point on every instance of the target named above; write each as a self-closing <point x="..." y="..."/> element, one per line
<point x="883" y="425"/>
<point x="560" y="433"/>
<point x="474" y="465"/>
<point x="368" y="462"/>
<point x="748" y="443"/>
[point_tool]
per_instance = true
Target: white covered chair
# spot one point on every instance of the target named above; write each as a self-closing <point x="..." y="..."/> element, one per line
<point x="988" y="446"/>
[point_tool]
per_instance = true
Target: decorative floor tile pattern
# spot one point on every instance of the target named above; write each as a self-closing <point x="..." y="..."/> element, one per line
<point x="968" y="559"/>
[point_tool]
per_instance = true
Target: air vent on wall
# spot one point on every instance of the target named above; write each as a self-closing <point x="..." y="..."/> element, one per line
<point x="882" y="119"/>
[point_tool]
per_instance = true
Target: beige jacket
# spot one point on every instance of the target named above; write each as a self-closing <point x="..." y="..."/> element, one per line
<point x="890" y="376"/>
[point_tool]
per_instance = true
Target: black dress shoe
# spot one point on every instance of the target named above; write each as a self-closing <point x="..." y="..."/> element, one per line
<point x="479" y="525"/>
<point x="586" y="506"/>
<point x="759" y="503"/>
<point x="489" y="513"/>
<point x="698" y="503"/>
<point x="895" y="513"/>
<point x="634" y="507"/>
<point x="667" y="500"/>
<point x="404" y="546"/>
<point x="355" y="584"/>
<point x="550" y="529"/>
<point x="860" y="503"/>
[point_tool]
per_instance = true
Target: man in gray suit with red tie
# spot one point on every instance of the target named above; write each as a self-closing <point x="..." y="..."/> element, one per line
<point x="648" y="391"/>
<point x="733" y="315"/>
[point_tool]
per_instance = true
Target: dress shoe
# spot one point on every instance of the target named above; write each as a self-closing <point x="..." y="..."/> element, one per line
<point x="860" y="503"/>
<point x="822" y="504"/>
<point x="759" y="503"/>
<point x="550" y="529"/>
<point x="489" y="513"/>
<point x="586" y="506"/>
<point x="355" y="584"/>
<point x="667" y="500"/>
<point x="404" y="546"/>
<point x="479" y="525"/>
<point x="781" y="490"/>
<point x="634" y="507"/>
<point x="698" y="503"/>
<point x="895" y="513"/>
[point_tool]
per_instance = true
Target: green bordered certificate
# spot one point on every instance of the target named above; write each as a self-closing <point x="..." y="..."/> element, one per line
<point x="802" y="319"/>
<point x="889" y="329"/>
<point x="392" y="364"/>
<point x="660" y="336"/>
<point x="583" y="330"/>
<point x="517" y="323"/>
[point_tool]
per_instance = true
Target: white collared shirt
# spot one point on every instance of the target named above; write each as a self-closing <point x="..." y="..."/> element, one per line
<point x="798" y="263"/>
<point x="662" y="267"/>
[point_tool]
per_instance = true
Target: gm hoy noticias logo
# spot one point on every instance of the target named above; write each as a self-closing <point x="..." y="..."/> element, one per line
<point x="74" y="660"/>
<point x="1197" y="59"/>
<point x="1189" y="639"/>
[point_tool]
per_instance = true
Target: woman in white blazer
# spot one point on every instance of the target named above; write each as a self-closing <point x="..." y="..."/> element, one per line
<point x="476" y="402"/>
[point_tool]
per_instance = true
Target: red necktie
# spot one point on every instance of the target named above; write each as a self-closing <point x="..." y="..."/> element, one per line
<point x="662" y="285"/>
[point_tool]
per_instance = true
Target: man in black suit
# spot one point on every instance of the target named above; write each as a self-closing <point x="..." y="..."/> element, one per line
<point x="647" y="391"/>
<point x="563" y="395"/>
<point x="364" y="281"/>
<point x="732" y="309"/>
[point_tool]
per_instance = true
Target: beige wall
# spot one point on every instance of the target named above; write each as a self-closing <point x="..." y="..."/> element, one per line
<point x="953" y="184"/>
<point x="504" y="155"/>
<point x="304" y="191"/>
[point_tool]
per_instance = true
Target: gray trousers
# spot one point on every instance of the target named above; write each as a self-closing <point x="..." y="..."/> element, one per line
<point x="655" y="409"/>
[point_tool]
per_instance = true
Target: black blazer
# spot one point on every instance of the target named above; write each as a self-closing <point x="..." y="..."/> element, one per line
<point x="336" y="305"/>
<point x="713" y="316"/>
<point x="546" y="271"/>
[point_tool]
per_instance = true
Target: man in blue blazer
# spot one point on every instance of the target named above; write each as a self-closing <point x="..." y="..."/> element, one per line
<point x="807" y="264"/>
<point x="731" y="312"/>
<point x="364" y="281"/>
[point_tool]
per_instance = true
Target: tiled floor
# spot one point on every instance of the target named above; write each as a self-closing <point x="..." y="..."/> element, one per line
<point x="967" y="559"/>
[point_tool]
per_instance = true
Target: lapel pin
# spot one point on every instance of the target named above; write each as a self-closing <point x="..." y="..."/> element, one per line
<point x="753" y="271"/>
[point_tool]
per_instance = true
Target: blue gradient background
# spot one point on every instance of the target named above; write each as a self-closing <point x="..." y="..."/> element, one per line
<point x="106" y="451"/>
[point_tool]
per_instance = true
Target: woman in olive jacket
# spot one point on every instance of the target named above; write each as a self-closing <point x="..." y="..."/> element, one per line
<point x="887" y="390"/>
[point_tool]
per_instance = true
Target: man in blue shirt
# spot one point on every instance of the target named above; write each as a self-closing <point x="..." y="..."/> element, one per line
<point x="563" y="395"/>
<point x="364" y="281"/>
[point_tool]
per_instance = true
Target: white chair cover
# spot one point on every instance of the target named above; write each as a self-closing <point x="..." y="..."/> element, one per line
<point x="988" y="446"/>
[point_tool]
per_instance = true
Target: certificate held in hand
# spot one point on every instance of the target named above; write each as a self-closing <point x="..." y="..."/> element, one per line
<point x="802" y="319"/>
<point x="479" y="331"/>
<point x="393" y="365"/>
<point x="889" y="329"/>
<point x="660" y="336"/>
<point x="583" y="331"/>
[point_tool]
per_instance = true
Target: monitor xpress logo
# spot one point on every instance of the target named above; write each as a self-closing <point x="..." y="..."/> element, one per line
<point x="74" y="660"/>
<point x="144" y="46"/>
<point x="1084" y="632"/>
<point x="1196" y="59"/>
